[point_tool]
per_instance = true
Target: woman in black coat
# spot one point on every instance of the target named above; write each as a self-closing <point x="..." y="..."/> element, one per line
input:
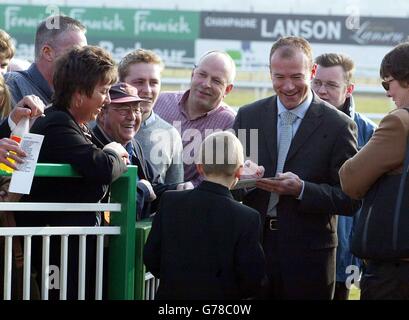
<point x="82" y="80"/>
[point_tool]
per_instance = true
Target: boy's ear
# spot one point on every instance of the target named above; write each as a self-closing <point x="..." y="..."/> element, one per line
<point x="350" y="89"/>
<point x="238" y="172"/>
<point x="313" y="71"/>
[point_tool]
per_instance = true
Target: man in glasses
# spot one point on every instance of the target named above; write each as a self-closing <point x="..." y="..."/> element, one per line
<point x="333" y="83"/>
<point x="119" y="121"/>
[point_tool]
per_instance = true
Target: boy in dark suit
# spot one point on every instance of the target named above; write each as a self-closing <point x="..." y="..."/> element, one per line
<point x="203" y="244"/>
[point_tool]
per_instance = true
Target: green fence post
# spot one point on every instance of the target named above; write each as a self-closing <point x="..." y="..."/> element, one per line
<point x="121" y="273"/>
<point x="142" y="230"/>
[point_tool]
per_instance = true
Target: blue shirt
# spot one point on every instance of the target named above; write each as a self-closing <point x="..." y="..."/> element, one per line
<point x="27" y="82"/>
<point x="346" y="224"/>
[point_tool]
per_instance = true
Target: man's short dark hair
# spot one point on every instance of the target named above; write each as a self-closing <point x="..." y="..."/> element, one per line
<point x="45" y="34"/>
<point x="292" y="42"/>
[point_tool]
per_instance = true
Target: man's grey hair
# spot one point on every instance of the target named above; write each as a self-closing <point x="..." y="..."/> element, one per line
<point x="59" y="24"/>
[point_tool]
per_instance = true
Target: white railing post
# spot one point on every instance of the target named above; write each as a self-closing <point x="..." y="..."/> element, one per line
<point x="27" y="268"/>
<point x="8" y="251"/>
<point x="81" y="267"/>
<point x="99" y="267"/>
<point x="46" y="268"/>
<point x="63" y="267"/>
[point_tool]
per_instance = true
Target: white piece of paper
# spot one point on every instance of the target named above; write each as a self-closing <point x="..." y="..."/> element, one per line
<point x="245" y="183"/>
<point x="22" y="178"/>
<point x="250" y="183"/>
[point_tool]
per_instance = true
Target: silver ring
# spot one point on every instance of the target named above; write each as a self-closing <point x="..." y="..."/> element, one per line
<point x="7" y="154"/>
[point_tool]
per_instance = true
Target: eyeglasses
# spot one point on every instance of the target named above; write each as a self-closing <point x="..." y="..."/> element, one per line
<point x="328" y="85"/>
<point x="124" y="110"/>
<point x="385" y="84"/>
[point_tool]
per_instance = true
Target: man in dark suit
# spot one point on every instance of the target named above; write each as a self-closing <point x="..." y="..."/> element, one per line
<point x="298" y="209"/>
<point x="203" y="244"/>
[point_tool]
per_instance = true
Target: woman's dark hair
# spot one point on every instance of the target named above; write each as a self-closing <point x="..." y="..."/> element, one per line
<point x="396" y="64"/>
<point x="81" y="70"/>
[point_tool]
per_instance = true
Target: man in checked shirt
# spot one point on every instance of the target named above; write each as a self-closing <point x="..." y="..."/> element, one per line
<point x="200" y="110"/>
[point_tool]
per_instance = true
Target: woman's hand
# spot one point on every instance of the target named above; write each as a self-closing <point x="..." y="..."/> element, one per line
<point x="30" y="106"/>
<point x="119" y="150"/>
<point x="6" y="146"/>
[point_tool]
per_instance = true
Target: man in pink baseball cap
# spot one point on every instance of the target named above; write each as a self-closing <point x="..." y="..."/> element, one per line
<point x="119" y="121"/>
<point x="123" y="93"/>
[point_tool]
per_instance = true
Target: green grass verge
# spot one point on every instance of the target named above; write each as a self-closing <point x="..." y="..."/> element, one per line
<point x="354" y="293"/>
<point x="364" y="103"/>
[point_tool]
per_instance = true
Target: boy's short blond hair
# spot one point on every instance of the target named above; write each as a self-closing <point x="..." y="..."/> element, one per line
<point x="221" y="154"/>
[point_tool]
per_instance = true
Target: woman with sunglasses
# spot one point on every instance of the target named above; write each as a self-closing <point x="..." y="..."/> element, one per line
<point x="384" y="154"/>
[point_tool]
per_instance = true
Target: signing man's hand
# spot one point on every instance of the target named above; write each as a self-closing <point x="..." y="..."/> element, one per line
<point x="286" y="183"/>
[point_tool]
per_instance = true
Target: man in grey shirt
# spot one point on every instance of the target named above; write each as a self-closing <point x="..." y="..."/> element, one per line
<point x="160" y="141"/>
<point x="55" y="35"/>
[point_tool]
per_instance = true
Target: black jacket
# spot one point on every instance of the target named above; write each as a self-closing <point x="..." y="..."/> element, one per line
<point x="4" y="128"/>
<point x="205" y="245"/>
<point x="65" y="142"/>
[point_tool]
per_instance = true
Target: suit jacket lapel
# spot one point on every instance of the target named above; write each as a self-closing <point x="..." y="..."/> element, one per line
<point x="269" y="115"/>
<point x="308" y="125"/>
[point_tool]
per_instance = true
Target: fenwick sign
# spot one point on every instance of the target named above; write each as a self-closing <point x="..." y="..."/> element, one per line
<point x="107" y="22"/>
<point x="172" y="25"/>
<point x="315" y="28"/>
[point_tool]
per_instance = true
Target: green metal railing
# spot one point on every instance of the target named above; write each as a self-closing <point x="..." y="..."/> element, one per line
<point x="121" y="273"/>
<point x="142" y="230"/>
<point x="121" y="281"/>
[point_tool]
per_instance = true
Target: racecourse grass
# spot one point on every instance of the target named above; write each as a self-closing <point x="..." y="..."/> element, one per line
<point x="365" y="103"/>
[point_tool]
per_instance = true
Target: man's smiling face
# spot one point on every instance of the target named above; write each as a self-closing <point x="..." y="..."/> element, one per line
<point x="290" y="74"/>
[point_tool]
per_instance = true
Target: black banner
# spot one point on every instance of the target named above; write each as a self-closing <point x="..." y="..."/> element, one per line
<point x="355" y="30"/>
